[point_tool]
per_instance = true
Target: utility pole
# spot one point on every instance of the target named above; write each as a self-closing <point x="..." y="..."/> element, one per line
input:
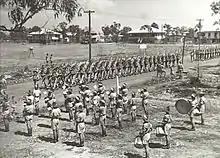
<point x="200" y="28"/>
<point x="184" y="42"/>
<point x="90" y="45"/>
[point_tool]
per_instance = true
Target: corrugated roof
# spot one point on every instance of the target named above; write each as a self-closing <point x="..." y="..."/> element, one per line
<point x="154" y="30"/>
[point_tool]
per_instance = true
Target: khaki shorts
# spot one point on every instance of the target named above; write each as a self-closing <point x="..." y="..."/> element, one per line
<point x="81" y="128"/>
<point x="55" y="124"/>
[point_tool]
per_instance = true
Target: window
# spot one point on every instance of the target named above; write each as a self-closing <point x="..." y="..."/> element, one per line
<point x="216" y="34"/>
<point x="209" y="34"/>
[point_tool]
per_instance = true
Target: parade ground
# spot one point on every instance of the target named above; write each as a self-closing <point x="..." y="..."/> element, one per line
<point x="204" y="142"/>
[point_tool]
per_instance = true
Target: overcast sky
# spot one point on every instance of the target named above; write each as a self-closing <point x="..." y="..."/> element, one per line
<point x="133" y="13"/>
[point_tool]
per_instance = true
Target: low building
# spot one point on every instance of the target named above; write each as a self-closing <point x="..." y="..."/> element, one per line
<point x="45" y="36"/>
<point x="209" y="35"/>
<point x="146" y="36"/>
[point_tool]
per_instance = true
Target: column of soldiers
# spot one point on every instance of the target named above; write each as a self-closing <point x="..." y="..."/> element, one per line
<point x="56" y="76"/>
<point x="205" y="54"/>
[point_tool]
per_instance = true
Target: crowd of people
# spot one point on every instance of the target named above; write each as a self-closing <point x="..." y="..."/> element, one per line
<point x="98" y="102"/>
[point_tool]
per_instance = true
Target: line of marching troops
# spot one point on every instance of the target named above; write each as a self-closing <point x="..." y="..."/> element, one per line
<point x="205" y="54"/>
<point x="98" y="103"/>
<point x="56" y="76"/>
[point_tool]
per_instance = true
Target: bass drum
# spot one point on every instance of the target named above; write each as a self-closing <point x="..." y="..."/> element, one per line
<point x="183" y="106"/>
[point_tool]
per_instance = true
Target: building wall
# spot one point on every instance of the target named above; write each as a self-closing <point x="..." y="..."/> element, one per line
<point x="146" y="37"/>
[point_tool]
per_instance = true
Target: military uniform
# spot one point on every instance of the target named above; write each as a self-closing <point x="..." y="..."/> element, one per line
<point x="55" y="115"/>
<point x="37" y="95"/>
<point x="119" y="110"/>
<point x="28" y="115"/>
<point x="102" y="117"/>
<point x="6" y="114"/>
<point x="80" y="123"/>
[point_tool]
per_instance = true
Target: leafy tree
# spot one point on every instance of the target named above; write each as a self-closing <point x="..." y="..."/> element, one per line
<point x="20" y="11"/>
<point x="146" y="27"/>
<point x="215" y="7"/>
<point x="106" y="30"/>
<point x="124" y="32"/>
<point x="34" y="29"/>
<point x="155" y="25"/>
<point x="62" y="28"/>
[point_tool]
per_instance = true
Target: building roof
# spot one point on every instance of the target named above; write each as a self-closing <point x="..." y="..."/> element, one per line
<point x="210" y="28"/>
<point x="154" y="30"/>
<point x="44" y="31"/>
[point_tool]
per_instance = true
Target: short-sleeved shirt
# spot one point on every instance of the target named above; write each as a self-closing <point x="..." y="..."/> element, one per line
<point x="37" y="93"/>
<point x="56" y="113"/>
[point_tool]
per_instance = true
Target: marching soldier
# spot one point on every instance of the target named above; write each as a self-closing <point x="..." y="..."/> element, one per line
<point x="28" y="114"/>
<point x="102" y="117"/>
<point x="37" y="96"/>
<point x="145" y="134"/>
<point x="55" y="115"/>
<point x="167" y="119"/>
<point x="80" y="124"/>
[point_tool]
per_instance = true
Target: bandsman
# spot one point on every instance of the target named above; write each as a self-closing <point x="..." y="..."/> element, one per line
<point x="37" y="97"/>
<point x="80" y="124"/>
<point x="28" y="114"/>
<point x="55" y="115"/>
<point x="133" y="106"/>
<point x="145" y="134"/>
<point x="6" y="112"/>
<point x="119" y="110"/>
<point x="112" y="101"/>
<point x="102" y="117"/>
<point x="166" y="123"/>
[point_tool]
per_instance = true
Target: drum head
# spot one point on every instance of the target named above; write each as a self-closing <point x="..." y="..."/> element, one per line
<point x="183" y="106"/>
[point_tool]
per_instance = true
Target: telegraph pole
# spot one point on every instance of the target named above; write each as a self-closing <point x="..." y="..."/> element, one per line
<point x="90" y="45"/>
<point x="200" y="28"/>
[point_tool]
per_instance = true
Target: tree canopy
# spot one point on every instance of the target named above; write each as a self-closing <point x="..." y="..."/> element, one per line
<point x="20" y="11"/>
<point x="215" y="7"/>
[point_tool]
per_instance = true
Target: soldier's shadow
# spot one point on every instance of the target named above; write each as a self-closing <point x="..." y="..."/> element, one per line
<point x="20" y="121"/>
<point x="188" y="122"/>
<point x="46" y="139"/>
<point x="181" y="128"/>
<point x="44" y="125"/>
<point x="45" y="116"/>
<point x="155" y="145"/>
<point x="2" y="130"/>
<point x="71" y="143"/>
<point x="132" y="155"/>
<point x="21" y="133"/>
<point x="69" y="130"/>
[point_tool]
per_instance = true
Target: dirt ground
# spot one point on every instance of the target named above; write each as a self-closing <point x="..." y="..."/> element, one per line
<point x="202" y="143"/>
